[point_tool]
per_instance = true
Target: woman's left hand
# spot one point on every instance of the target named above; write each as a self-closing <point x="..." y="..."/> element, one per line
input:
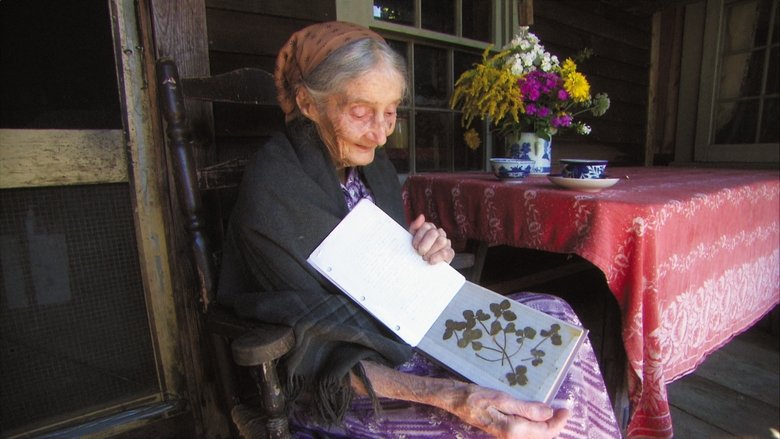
<point x="430" y="241"/>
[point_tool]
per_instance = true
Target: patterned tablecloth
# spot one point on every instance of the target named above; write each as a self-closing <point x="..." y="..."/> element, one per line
<point x="692" y="255"/>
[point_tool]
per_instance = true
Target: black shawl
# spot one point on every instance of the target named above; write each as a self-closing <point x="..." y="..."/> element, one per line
<point x="290" y="199"/>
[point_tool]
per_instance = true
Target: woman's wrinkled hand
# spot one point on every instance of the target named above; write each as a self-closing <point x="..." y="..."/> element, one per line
<point x="506" y="417"/>
<point x="430" y="241"/>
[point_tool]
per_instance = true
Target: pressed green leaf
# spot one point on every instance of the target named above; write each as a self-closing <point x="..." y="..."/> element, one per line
<point x="482" y="316"/>
<point x="495" y="328"/>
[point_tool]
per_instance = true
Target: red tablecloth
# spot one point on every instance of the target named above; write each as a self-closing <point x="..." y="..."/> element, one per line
<point x="692" y="255"/>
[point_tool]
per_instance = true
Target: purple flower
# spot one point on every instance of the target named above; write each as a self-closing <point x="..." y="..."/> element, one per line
<point x="562" y="120"/>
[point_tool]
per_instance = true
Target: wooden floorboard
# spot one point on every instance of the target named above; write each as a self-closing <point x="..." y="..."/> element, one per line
<point x="687" y="426"/>
<point x="735" y="392"/>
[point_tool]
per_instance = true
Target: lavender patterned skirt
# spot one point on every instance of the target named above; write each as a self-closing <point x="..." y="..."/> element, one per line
<point x="583" y="392"/>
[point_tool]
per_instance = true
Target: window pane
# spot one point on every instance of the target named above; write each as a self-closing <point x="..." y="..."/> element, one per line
<point x="740" y="75"/>
<point x="395" y="11"/>
<point x="432" y="142"/>
<point x="747" y="25"/>
<point x="477" y="17"/>
<point x="773" y="71"/>
<point x="431" y="81"/>
<point x="468" y="158"/>
<point x="464" y="61"/>
<point x="400" y="47"/>
<point x="58" y="66"/>
<point x="736" y="122"/>
<point x="776" y="27"/>
<point x="438" y="15"/>
<point x="398" y="143"/>
<point x="770" y="130"/>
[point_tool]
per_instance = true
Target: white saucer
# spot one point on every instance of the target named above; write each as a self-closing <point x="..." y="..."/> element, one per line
<point x="583" y="184"/>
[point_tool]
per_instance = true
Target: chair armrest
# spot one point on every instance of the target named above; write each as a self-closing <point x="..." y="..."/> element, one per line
<point x="253" y="343"/>
<point x="263" y="344"/>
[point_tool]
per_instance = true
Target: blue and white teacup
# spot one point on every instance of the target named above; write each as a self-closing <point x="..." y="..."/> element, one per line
<point x="511" y="169"/>
<point x="584" y="169"/>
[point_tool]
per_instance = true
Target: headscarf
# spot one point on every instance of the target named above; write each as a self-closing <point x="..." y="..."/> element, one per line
<point x="306" y="49"/>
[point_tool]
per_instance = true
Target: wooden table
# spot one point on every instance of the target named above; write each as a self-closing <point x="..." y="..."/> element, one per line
<point x="691" y="255"/>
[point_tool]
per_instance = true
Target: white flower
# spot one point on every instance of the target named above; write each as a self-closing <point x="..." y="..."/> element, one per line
<point x="528" y="54"/>
<point x="583" y="128"/>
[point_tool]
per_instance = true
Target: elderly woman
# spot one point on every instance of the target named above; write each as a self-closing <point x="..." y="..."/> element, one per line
<point x="340" y="86"/>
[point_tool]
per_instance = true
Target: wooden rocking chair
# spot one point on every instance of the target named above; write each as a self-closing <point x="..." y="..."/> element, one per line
<point x="254" y="345"/>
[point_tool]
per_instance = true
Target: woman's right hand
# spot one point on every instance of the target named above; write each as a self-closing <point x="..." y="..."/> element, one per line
<point x="503" y="416"/>
<point x="490" y="410"/>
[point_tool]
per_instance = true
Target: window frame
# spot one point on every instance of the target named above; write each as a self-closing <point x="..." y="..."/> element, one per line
<point x="710" y="17"/>
<point x="504" y="20"/>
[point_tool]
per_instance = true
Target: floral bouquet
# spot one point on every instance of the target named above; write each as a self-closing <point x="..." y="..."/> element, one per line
<point x="523" y="88"/>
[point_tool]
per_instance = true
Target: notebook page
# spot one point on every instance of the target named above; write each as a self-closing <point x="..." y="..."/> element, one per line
<point x="370" y="257"/>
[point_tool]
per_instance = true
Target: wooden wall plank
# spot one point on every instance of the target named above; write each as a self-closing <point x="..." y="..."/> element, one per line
<point x="252" y="34"/>
<point x="619" y="67"/>
<point x="597" y="20"/>
<point x="571" y="41"/>
<point x="313" y="10"/>
<point x="32" y="158"/>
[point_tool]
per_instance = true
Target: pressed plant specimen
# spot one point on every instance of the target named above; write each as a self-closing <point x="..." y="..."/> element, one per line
<point x="497" y="337"/>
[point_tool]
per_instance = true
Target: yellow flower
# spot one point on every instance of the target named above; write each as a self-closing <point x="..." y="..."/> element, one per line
<point x="568" y="67"/>
<point x="577" y="86"/>
<point x="492" y="90"/>
<point x="471" y="137"/>
<point x="488" y="91"/>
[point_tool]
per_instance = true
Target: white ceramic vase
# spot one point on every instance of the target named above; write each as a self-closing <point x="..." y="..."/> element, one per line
<point x="529" y="146"/>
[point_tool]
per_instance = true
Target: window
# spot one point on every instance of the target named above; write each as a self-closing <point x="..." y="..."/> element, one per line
<point x="740" y="94"/>
<point x="439" y="39"/>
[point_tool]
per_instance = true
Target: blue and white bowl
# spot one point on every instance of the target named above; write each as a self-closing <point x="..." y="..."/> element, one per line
<point x="511" y="169"/>
<point x="584" y="169"/>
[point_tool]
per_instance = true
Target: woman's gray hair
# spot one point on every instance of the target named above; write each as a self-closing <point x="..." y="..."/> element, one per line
<point x="347" y="63"/>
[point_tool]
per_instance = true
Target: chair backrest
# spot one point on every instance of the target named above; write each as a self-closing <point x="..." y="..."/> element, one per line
<point x="243" y="86"/>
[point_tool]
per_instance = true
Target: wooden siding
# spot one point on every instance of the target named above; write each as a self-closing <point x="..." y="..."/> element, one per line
<point x="244" y="33"/>
<point x="619" y="66"/>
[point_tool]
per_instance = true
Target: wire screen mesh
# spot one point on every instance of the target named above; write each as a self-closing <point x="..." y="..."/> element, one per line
<point x="74" y="332"/>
